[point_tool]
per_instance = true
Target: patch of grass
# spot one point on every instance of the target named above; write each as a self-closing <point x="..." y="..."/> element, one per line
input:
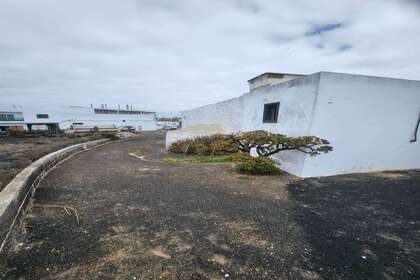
<point x="199" y="159"/>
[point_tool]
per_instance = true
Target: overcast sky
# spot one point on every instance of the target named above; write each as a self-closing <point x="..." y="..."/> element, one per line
<point x="167" y="55"/>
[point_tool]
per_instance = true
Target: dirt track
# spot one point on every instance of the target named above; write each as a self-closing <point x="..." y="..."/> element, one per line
<point x="144" y="219"/>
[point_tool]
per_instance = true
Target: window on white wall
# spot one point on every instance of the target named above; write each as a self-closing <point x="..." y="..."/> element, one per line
<point x="10" y="116"/>
<point x="271" y="112"/>
<point x="42" y="116"/>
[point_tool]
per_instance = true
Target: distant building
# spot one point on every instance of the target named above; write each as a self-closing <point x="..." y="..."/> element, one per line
<point x="371" y="122"/>
<point x="168" y="123"/>
<point x="55" y="118"/>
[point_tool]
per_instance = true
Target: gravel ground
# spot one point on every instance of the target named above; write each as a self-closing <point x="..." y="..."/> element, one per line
<point x="139" y="218"/>
<point x="362" y="226"/>
<point x="18" y="153"/>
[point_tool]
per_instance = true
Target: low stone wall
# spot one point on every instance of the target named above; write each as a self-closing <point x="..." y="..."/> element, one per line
<point x="16" y="194"/>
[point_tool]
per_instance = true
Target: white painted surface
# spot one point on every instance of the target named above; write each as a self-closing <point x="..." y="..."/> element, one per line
<point x="227" y="113"/>
<point x="245" y="113"/>
<point x="368" y="120"/>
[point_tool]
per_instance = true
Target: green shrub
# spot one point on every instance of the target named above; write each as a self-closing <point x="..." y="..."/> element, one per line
<point x="267" y="143"/>
<point x="182" y="146"/>
<point x="111" y="136"/>
<point x="199" y="159"/>
<point x="238" y="157"/>
<point x="246" y="164"/>
<point x="205" y="145"/>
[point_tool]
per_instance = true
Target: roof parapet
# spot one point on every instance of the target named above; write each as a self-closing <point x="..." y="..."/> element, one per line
<point x="270" y="78"/>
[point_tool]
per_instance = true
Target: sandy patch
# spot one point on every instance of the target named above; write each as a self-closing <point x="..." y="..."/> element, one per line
<point x="220" y="259"/>
<point x="158" y="252"/>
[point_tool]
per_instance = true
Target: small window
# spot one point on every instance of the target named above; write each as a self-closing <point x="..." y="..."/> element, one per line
<point x="271" y="112"/>
<point x="42" y="116"/>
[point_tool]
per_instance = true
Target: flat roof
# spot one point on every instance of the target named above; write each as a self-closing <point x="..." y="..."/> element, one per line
<point x="274" y="75"/>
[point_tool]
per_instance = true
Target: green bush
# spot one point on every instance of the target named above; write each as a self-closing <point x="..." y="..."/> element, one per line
<point x="205" y="145"/>
<point x="111" y="136"/>
<point x="199" y="159"/>
<point x="267" y="143"/>
<point x="246" y="164"/>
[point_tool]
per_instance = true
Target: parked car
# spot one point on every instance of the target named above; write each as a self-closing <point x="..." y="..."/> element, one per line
<point x="127" y="128"/>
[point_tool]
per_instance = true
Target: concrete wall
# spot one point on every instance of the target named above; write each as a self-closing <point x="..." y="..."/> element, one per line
<point x="245" y="113"/>
<point x="227" y="113"/>
<point x="297" y="99"/>
<point x="369" y="121"/>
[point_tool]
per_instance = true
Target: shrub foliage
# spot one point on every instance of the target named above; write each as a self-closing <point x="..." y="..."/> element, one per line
<point x="267" y="144"/>
<point x="241" y="144"/>
<point x="247" y="164"/>
<point x="205" y="145"/>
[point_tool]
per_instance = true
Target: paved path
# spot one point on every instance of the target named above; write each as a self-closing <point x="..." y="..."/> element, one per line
<point x="143" y="219"/>
<point x="140" y="218"/>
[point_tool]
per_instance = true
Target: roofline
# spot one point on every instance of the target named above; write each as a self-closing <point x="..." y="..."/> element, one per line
<point x="367" y="76"/>
<point x="275" y="73"/>
<point x="341" y="73"/>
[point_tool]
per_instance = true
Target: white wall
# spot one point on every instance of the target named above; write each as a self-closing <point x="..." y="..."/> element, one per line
<point x="245" y="113"/>
<point x="297" y="99"/>
<point x="369" y="121"/>
<point x="227" y="113"/>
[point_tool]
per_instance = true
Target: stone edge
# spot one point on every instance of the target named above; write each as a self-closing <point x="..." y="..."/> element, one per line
<point x="16" y="194"/>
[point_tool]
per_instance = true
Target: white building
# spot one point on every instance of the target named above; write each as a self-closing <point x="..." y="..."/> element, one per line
<point x="371" y="122"/>
<point x="31" y="117"/>
<point x="168" y="123"/>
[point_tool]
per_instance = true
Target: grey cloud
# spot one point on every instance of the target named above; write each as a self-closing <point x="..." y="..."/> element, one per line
<point x="173" y="55"/>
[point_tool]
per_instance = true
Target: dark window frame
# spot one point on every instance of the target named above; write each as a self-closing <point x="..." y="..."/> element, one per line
<point x="416" y="129"/>
<point x="42" y="116"/>
<point x="271" y="112"/>
<point x="11" y="116"/>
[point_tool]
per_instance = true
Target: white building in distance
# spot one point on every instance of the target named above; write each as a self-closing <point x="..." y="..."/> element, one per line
<point x="31" y="117"/>
<point x="371" y="122"/>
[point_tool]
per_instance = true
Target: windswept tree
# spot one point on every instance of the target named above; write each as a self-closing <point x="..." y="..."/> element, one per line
<point x="267" y="144"/>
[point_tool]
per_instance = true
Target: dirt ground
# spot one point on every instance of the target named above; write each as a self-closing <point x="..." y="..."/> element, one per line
<point x="130" y="216"/>
<point x="18" y="153"/>
<point x="361" y="226"/>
